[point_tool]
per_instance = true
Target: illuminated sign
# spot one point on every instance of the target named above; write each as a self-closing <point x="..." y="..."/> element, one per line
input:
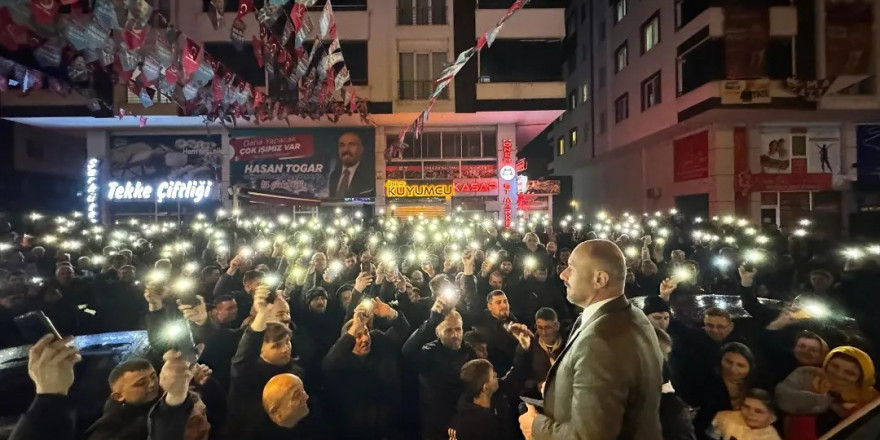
<point x="400" y="188"/>
<point x="521" y="165"/>
<point x="476" y="186"/>
<point x="507" y="172"/>
<point x="522" y="182"/>
<point x="173" y="190"/>
<point x="508" y="212"/>
<point x="506" y="150"/>
<point x="92" y="209"/>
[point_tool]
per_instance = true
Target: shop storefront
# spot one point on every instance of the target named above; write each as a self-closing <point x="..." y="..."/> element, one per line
<point x="160" y="176"/>
<point x="461" y="169"/>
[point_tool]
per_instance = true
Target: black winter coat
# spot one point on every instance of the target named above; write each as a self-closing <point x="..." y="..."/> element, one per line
<point x="439" y="371"/>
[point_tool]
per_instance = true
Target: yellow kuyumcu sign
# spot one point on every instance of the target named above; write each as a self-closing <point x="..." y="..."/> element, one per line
<point x="399" y="188"/>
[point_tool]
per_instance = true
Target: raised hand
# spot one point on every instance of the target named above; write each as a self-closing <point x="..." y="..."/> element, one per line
<point x="50" y="365"/>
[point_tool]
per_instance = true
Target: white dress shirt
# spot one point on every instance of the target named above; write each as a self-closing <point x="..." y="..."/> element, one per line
<point x="591" y="310"/>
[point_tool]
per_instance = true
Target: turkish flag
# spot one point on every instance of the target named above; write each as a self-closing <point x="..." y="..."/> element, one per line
<point x="191" y="57"/>
<point x="44" y="11"/>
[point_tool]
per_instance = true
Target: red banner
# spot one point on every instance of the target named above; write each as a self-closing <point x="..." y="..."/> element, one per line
<point x="521" y="165"/>
<point x="691" y="157"/>
<point x="274" y="147"/>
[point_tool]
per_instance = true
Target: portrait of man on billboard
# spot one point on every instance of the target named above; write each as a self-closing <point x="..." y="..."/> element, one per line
<point x="354" y="177"/>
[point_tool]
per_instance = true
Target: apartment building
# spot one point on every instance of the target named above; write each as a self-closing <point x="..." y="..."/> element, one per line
<point x="762" y="108"/>
<point x="500" y="100"/>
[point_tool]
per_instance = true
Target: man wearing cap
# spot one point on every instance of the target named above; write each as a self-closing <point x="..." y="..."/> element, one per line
<point x="317" y="331"/>
<point x="657" y="312"/>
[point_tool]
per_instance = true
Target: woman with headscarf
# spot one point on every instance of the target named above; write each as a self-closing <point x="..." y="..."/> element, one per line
<point x="817" y="399"/>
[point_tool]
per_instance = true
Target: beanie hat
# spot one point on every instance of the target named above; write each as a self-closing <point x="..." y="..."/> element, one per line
<point x="655" y="304"/>
<point x="314" y="293"/>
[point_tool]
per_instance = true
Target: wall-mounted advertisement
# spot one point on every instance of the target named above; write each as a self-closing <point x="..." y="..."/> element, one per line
<point x="823" y="150"/>
<point x="165" y="157"/>
<point x="326" y="163"/>
<point x="776" y="151"/>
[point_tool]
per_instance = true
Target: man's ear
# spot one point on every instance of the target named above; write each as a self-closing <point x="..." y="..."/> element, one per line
<point x="117" y="396"/>
<point x="601" y="279"/>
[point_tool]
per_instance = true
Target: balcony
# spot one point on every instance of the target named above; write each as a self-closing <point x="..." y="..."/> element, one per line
<point x="418" y="90"/>
<point x="422" y="15"/>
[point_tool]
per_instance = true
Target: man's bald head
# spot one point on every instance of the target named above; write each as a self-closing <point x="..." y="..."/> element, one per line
<point x="284" y="399"/>
<point x="596" y="271"/>
<point x="606" y="256"/>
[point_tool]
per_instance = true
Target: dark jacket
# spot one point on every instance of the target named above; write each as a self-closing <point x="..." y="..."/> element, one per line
<point x="531" y="295"/>
<point x="501" y="345"/>
<point x="152" y="421"/>
<point x="50" y="417"/>
<point x="361" y="184"/>
<point x="474" y="422"/>
<point x="250" y="374"/>
<point x="121" y="307"/>
<point x="439" y="371"/>
<point x="534" y="363"/>
<point x="315" y="334"/>
<point x="675" y="418"/>
<point x="365" y="391"/>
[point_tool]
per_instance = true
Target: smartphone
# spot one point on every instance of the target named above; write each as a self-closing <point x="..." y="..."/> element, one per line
<point x="35" y="325"/>
<point x="537" y="403"/>
<point x="189" y="300"/>
<point x="367" y="267"/>
<point x="180" y="338"/>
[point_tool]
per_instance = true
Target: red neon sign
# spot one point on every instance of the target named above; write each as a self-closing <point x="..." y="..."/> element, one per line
<point x="506" y="150"/>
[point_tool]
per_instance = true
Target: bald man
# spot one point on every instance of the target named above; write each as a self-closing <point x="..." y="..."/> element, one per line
<point x="285" y="405"/>
<point x="355" y="175"/>
<point x="606" y="382"/>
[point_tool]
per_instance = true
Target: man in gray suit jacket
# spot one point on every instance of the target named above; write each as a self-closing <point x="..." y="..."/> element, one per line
<point x="606" y="382"/>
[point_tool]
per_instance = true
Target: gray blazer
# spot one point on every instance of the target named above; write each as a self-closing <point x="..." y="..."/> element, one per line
<point x="606" y="383"/>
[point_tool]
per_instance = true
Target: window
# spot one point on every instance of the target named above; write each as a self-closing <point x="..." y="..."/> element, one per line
<point x="687" y="10"/>
<point x="779" y="59"/>
<point x="561" y="146"/>
<point x="601" y="77"/>
<point x="619" y="10"/>
<point x="572" y="100"/>
<point x="158" y="98"/>
<point x="468" y="144"/>
<point x="417" y="73"/>
<point x="621" y="59"/>
<point x="651" y="91"/>
<point x="651" y="32"/>
<point x="621" y="108"/>
<point x="512" y="60"/>
<point x="700" y="62"/>
<point x="603" y="123"/>
<point x="573" y="137"/>
<point x="244" y="62"/>
<point x="585" y="92"/>
<point x="421" y="12"/>
<point x="601" y="30"/>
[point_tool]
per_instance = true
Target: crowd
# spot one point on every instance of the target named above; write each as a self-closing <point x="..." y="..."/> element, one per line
<point x="340" y="327"/>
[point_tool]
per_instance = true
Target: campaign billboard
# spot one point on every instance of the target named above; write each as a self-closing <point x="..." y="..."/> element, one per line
<point x="325" y="163"/>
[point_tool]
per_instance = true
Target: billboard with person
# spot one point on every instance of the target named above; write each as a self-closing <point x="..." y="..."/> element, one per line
<point x="326" y="163"/>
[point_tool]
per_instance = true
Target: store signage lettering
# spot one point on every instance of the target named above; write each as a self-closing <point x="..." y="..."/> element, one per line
<point x="506" y="150"/>
<point x="178" y="191"/>
<point x="522" y="182"/>
<point x="400" y="188"/>
<point x="508" y="212"/>
<point x="475" y="186"/>
<point x="92" y="167"/>
<point x="521" y="165"/>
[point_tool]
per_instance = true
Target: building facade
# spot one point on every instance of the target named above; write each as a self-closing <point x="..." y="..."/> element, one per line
<point x="753" y="108"/>
<point x="500" y="100"/>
